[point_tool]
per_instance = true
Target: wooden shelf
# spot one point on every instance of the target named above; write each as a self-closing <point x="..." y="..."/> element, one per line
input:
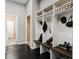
<point x="37" y="41"/>
<point x="47" y="9"/>
<point x="47" y="45"/>
<point x="48" y="13"/>
<point x="39" y="12"/>
<point x="63" y="52"/>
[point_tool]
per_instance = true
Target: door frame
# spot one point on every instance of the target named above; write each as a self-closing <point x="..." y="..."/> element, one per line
<point x="17" y="40"/>
<point x="26" y="28"/>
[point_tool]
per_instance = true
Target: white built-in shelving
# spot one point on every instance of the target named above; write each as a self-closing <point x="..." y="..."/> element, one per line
<point x="64" y="7"/>
<point x="56" y="8"/>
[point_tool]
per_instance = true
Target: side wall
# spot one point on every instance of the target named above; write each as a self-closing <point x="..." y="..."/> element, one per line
<point x="62" y="32"/>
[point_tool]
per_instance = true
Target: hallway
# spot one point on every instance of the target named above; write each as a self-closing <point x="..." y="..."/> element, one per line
<point x="39" y="29"/>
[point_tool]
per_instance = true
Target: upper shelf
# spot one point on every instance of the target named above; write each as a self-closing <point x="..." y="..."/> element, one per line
<point x="56" y="8"/>
<point x="49" y="12"/>
<point x="67" y="7"/>
<point x="47" y="9"/>
<point x="64" y="12"/>
<point x="39" y="13"/>
<point x="61" y="2"/>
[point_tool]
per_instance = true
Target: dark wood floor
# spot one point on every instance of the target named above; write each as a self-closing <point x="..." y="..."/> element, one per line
<point x="24" y="52"/>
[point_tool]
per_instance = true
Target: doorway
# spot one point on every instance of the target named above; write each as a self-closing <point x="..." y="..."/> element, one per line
<point x="11" y="30"/>
<point x="28" y="30"/>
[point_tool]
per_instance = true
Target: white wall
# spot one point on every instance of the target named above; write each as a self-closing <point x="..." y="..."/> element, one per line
<point x="19" y="10"/>
<point x="28" y="8"/>
<point x="62" y="32"/>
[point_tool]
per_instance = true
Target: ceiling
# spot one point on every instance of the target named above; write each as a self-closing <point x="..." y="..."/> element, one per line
<point x="23" y="2"/>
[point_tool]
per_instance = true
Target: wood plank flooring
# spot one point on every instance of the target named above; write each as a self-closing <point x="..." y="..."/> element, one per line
<point x="24" y="52"/>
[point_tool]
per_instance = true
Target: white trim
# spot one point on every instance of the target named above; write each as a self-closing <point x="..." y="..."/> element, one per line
<point x="9" y="44"/>
<point x="16" y="44"/>
<point x="17" y="29"/>
<point x="22" y="43"/>
<point x="25" y="30"/>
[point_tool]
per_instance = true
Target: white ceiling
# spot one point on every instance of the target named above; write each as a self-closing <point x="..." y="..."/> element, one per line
<point x="20" y="1"/>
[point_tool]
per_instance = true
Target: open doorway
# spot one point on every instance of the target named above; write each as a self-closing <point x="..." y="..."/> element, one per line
<point x="28" y="30"/>
<point x="11" y="30"/>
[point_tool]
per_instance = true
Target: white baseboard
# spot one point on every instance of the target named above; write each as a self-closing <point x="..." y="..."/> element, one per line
<point x="15" y="44"/>
<point x="9" y="44"/>
<point x="22" y="43"/>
